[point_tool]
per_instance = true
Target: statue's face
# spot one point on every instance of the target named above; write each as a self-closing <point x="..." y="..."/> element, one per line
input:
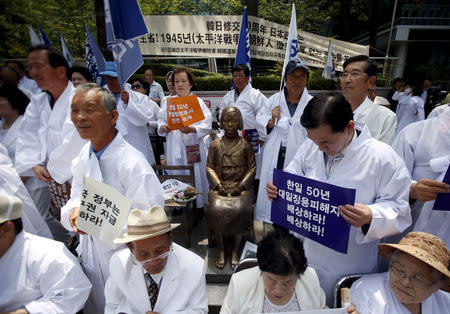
<point x="230" y="124"/>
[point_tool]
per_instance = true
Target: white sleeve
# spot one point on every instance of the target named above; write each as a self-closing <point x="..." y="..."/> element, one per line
<point x="139" y="109"/>
<point x="203" y="127"/>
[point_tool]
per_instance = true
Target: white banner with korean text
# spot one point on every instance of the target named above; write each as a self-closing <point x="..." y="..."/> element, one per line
<point x="217" y="36"/>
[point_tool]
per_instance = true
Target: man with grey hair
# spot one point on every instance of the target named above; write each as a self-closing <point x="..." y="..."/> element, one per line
<point x="109" y="158"/>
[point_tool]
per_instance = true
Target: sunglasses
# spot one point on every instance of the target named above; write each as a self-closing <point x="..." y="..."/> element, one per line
<point x="136" y="86"/>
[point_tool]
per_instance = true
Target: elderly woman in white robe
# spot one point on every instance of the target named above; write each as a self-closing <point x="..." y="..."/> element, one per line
<point x="178" y="140"/>
<point x="418" y="280"/>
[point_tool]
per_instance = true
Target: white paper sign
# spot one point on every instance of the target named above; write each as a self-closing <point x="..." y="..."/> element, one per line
<point x="327" y="311"/>
<point x="103" y="211"/>
<point x="173" y="186"/>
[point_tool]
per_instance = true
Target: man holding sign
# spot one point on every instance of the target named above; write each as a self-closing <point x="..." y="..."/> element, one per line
<point x="108" y="158"/>
<point x="342" y="152"/>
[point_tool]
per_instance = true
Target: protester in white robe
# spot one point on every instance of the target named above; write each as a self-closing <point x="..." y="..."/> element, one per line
<point x="438" y="110"/>
<point x="360" y="74"/>
<point x="112" y="160"/>
<point x="178" y="275"/>
<point x="424" y="260"/>
<point x="414" y="111"/>
<point x="25" y="83"/>
<point x="38" y="147"/>
<point x="134" y="110"/>
<point x="287" y="132"/>
<point x="177" y="140"/>
<point x="402" y="96"/>
<point x="10" y="183"/>
<point x="249" y="100"/>
<point x="39" y="275"/>
<point x="425" y="148"/>
<point x="371" y="167"/>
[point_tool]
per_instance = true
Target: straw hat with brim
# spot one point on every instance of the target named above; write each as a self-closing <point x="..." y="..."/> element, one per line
<point x="10" y="207"/>
<point x="424" y="246"/>
<point x="143" y="224"/>
<point x="110" y="69"/>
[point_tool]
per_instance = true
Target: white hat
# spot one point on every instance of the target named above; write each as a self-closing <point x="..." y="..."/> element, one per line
<point x="143" y="224"/>
<point x="10" y="208"/>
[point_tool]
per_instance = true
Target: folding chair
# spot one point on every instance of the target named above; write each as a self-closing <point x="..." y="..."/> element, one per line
<point x="245" y="264"/>
<point x="345" y="282"/>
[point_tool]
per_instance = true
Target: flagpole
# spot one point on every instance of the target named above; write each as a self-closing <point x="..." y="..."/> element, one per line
<point x="115" y="42"/>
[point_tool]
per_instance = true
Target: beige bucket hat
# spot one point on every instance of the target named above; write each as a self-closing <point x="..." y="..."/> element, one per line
<point x="143" y="224"/>
<point x="10" y="207"/>
<point x="424" y="246"/>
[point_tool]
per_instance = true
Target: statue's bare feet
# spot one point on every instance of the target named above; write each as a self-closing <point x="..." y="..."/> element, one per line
<point x="220" y="260"/>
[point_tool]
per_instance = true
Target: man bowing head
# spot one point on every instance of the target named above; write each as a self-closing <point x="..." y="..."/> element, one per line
<point x="154" y="275"/>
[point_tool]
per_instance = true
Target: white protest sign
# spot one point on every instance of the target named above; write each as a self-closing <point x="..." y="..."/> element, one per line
<point x="103" y="211"/>
<point x="325" y="311"/>
<point x="217" y="36"/>
<point x="172" y="186"/>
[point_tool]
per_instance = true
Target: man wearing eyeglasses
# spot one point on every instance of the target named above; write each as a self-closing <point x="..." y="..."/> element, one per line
<point x="360" y="74"/>
<point x="154" y="275"/>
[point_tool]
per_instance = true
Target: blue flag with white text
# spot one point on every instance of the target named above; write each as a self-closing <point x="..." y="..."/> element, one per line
<point x="292" y="43"/>
<point x="243" y="50"/>
<point x="65" y="51"/>
<point x="95" y="61"/>
<point x="125" y="17"/>
<point x="44" y="37"/>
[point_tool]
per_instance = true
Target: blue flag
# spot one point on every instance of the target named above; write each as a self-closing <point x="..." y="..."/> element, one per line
<point x="130" y="24"/>
<point x="44" y="37"/>
<point x="95" y="61"/>
<point x="243" y="51"/>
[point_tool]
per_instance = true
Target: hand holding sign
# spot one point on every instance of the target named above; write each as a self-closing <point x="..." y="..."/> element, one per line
<point x="426" y="190"/>
<point x="74" y="219"/>
<point x="358" y="215"/>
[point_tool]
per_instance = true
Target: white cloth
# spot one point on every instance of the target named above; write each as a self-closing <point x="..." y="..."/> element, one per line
<point x="42" y="276"/>
<point x="414" y="112"/>
<point x="288" y="131"/>
<point x="182" y="290"/>
<point x="249" y="102"/>
<point x="156" y="91"/>
<point x="418" y="144"/>
<point x="403" y="100"/>
<point x="438" y="110"/>
<point x="381" y="181"/>
<point x="246" y="292"/>
<point x="45" y="129"/>
<point x="372" y="294"/>
<point x="9" y="141"/>
<point x="381" y="121"/>
<point x="10" y="183"/>
<point x="133" y="119"/>
<point x="124" y="168"/>
<point x="29" y="84"/>
<point x="176" y="142"/>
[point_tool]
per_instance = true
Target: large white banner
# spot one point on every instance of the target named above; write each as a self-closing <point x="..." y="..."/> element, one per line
<point x="216" y="36"/>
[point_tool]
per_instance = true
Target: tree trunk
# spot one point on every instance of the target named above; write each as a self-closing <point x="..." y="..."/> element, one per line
<point x="252" y="7"/>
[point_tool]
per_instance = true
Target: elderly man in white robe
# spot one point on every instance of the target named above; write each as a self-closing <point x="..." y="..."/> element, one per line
<point x="249" y="100"/>
<point x="425" y="148"/>
<point x="39" y="275"/>
<point x="135" y="111"/>
<point x="46" y="127"/>
<point x="360" y="74"/>
<point x="109" y="158"/>
<point x="342" y="152"/>
<point x="154" y="274"/>
<point x="10" y="183"/>
<point x="282" y="132"/>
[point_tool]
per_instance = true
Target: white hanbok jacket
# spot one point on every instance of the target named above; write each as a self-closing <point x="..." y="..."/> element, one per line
<point x="177" y="141"/>
<point x="287" y="130"/>
<point x="133" y="119"/>
<point x="249" y="102"/>
<point x="42" y="276"/>
<point x="414" y="112"/>
<point x="403" y="100"/>
<point x="372" y="294"/>
<point x="246" y="292"/>
<point x="380" y="120"/>
<point x="182" y="290"/>
<point x="425" y="148"/>
<point x="10" y="183"/>
<point x="126" y="169"/>
<point x="381" y="181"/>
<point x="45" y="129"/>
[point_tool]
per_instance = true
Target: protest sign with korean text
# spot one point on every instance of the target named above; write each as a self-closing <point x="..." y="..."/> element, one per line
<point x="442" y="201"/>
<point x="103" y="211"/>
<point x="310" y="208"/>
<point x="183" y="111"/>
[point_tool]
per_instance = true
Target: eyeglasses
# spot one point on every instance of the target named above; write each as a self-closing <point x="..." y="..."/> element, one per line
<point x="413" y="279"/>
<point x="136" y="86"/>
<point x="353" y="74"/>
<point x="157" y="259"/>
